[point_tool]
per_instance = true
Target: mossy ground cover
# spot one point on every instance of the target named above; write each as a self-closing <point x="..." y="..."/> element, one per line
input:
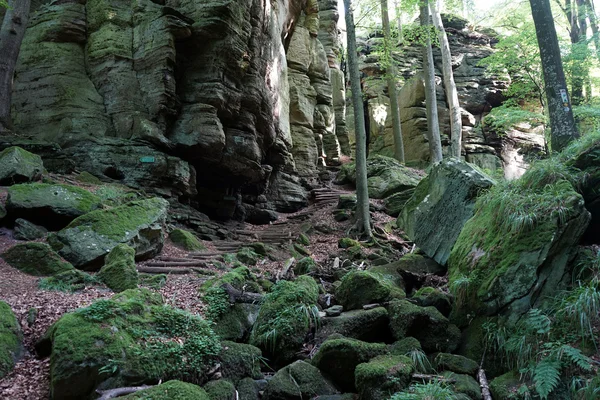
<point x="9" y="339"/>
<point x="69" y="200"/>
<point x="170" y="390"/>
<point x="186" y="240"/>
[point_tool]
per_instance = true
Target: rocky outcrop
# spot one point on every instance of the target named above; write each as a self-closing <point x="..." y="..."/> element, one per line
<point x="37" y="259"/>
<point x="189" y="99"/>
<point x="18" y="165"/>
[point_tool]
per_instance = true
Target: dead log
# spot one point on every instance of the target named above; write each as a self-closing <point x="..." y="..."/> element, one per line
<point x="433" y="378"/>
<point x="118" y="392"/>
<point x="174" y="270"/>
<point x="483" y="382"/>
<point x="239" y="296"/>
<point x="177" y="264"/>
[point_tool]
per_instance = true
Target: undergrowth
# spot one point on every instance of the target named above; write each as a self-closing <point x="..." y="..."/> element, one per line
<point x="435" y="390"/>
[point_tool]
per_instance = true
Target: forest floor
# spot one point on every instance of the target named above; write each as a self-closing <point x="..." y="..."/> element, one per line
<point x="37" y="309"/>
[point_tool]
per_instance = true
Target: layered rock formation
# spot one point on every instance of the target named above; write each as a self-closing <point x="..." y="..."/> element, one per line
<point x="191" y="99"/>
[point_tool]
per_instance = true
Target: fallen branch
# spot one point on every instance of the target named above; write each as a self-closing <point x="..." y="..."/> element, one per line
<point x="238" y="296"/>
<point x="433" y="378"/>
<point x="286" y="269"/>
<point x="483" y="382"/>
<point x="118" y="392"/>
<point x="174" y="270"/>
<point x="177" y="264"/>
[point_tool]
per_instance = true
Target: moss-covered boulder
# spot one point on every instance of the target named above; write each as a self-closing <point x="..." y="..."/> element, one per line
<point x="455" y="363"/>
<point x="236" y="322"/>
<point x="359" y="288"/>
<point x="298" y="381"/>
<point x="346" y="243"/>
<point x="185" y="240"/>
<point x="505" y="386"/>
<point x="67" y="281"/>
<point x="429" y="296"/>
<point x="385" y="176"/>
<point x="50" y="205"/>
<point x="25" y="230"/>
<point x="10" y="339"/>
<point x="170" y="390"/>
<point x="426" y="324"/>
<point x="466" y="385"/>
<point x="18" y="166"/>
<point x="87" y="239"/>
<point x="383" y="376"/>
<point x="247" y="256"/>
<point x="286" y="316"/>
<point x="119" y="271"/>
<point x="367" y="325"/>
<point x="239" y="361"/>
<point x="346" y="202"/>
<point x="304" y="266"/>
<point x="248" y="389"/>
<point x="338" y="358"/>
<point x="221" y="389"/>
<point x="441" y="205"/>
<point x="404" y="346"/>
<point x="418" y="265"/>
<point x="130" y="339"/>
<point x="516" y="249"/>
<point x="37" y="259"/>
<point x="394" y="204"/>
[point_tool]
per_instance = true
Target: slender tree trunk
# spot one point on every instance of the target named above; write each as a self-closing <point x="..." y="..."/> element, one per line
<point x="594" y="25"/>
<point x="435" y="144"/>
<point x="11" y="36"/>
<point x="363" y="219"/>
<point x="391" y="83"/>
<point x="562" y="123"/>
<point x="399" y="21"/>
<point x="451" y="92"/>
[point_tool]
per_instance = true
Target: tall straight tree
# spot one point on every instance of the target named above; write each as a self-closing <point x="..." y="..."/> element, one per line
<point x="562" y="123"/>
<point x="363" y="218"/>
<point x="451" y="92"/>
<point x="391" y="82"/>
<point x="433" y="131"/>
<point x="11" y="36"/>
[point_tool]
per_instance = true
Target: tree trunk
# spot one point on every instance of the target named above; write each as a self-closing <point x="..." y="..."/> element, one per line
<point x="433" y="131"/>
<point x="594" y="25"/>
<point x="363" y="219"/>
<point x="451" y="92"/>
<point x="391" y="83"/>
<point x="562" y="123"/>
<point x="575" y="31"/>
<point x="399" y="21"/>
<point x="11" y="36"/>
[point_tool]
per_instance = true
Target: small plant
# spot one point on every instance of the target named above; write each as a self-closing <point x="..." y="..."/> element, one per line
<point x="435" y="390"/>
<point x="459" y="288"/>
<point x="218" y="303"/>
<point x="420" y="360"/>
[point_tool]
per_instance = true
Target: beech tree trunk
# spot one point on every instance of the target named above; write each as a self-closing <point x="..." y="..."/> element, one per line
<point x="594" y="25"/>
<point x="363" y="219"/>
<point x="451" y="92"/>
<point x="399" y="21"/>
<point x="11" y="36"/>
<point x="391" y="83"/>
<point x="562" y="124"/>
<point x="433" y="131"/>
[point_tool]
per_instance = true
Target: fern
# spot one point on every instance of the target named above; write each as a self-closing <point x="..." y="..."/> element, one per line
<point x="575" y="356"/>
<point x="546" y="377"/>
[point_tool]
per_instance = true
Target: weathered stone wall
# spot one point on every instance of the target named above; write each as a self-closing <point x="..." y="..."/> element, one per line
<point x="235" y="94"/>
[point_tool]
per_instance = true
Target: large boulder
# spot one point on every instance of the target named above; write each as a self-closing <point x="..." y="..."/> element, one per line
<point x="441" y="205"/>
<point x="128" y="340"/>
<point x="239" y="360"/>
<point x="367" y="325"/>
<point x="51" y="205"/>
<point x="119" y="271"/>
<point x="383" y="375"/>
<point x="18" y="165"/>
<point x="298" y="381"/>
<point x="10" y="339"/>
<point x="25" y="230"/>
<point x="87" y="239"/>
<point x="185" y="240"/>
<point x="516" y="249"/>
<point x="37" y="259"/>
<point x="385" y="176"/>
<point x="359" y="288"/>
<point x="170" y="390"/>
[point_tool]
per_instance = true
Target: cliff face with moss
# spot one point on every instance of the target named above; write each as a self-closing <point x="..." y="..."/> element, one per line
<point x="220" y="103"/>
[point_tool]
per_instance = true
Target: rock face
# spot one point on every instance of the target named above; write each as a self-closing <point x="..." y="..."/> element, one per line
<point x="119" y="272"/>
<point x="298" y="381"/>
<point x="204" y="101"/>
<point x="477" y="92"/>
<point x="139" y="224"/>
<point x="10" y="339"/>
<point x="18" y="165"/>
<point x="25" y="230"/>
<point x="37" y="259"/>
<point x="442" y="203"/>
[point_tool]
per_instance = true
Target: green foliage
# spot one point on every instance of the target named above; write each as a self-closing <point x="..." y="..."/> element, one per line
<point x="3" y="4"/>
<point x="435" y="390"/>
<point x="587" y="117"/>
<point x="503" y="118"/>
<point x="68" y="281"/>
<point x="420" y="361"/>
<point x="218" y="303"/>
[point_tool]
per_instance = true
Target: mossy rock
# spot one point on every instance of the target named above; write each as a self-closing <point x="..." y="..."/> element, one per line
<point x="239" y="361"/>
<point x="37" y="259"/>
<point x="247" y="256"/>
<point x="367" y="325"/>
<point x="359" y="288"/>
<point x="505" y="386"/>
<point x="185" y="240"/>
<point x="466" y="385"/>
<point x="221" y="389"/>
<point x="338" y="358"/>
<point x="426" y="324"/>
<point x="428" y="296"/>
<point x="286" y="315"/>
<point x="345" y="243"/>
<point x="171" y="390"/>
<point x="237" y="322"/>
<point x="455" y="363"/>
<point x="298" y="381"/>
<point x="153" y="281"/>
<point x="305" y="266"/>
<point x="119" y="272"/>
<point x="304" y="240"/>
<point x="390" y="273"/>
<point x="419" y="265"/>
<point x="347" y="202"/>
<point x="248" y="389"/>
<point x="394" y="204"/>
<point x="25" y="230"/>
<point x="10" y="339"/>
<point x="87" y="239"/>
<point x="404" y="346"/>
<point x="259" y="248"/>
<point x="127" y="340"/>
<point x="383" y="376"/>
<point x="50" y="205"/>
<point x="86" y="177"/>
<point x="18" y="166"/>
<point x="67" y="281"/>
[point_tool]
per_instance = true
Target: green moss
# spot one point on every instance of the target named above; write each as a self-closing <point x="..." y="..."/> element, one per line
<point x="404" y="346"/>
<point x="64" y="199"/>
<point x="119" y="271"/>
<point x="10" y="340"/>
<point x="86" y="177"/>
<point x="240" y="360"/>
<point x="247" y="389"/>
<point x="368" y="325"/>
<point x="36" y="259"/>
<point x="466" y="385"/>
<point x="304" y="240"/>
<point x="299" y="380"/>
<point x="220" y="390"/>
<point x="169" y="391"/>
<point x="259" y="248"/>
<point x="114" y="194"/>
<point x="455" y="363"/>
<point x="505" y="386"/>
<point x="362" y="287"/>
<point x="345" y="243"/>
<point x="236" y="323"/>
<point x="153" y="281"/>
<point x="383" y="376"/>
<point x="247" y="256"/>
<point x="18" y="165"/>
<point x="186" y="240"/>
<point x="305" y="266"/>
<point x="67" y="281"/>
<point x="338" y="359"/>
